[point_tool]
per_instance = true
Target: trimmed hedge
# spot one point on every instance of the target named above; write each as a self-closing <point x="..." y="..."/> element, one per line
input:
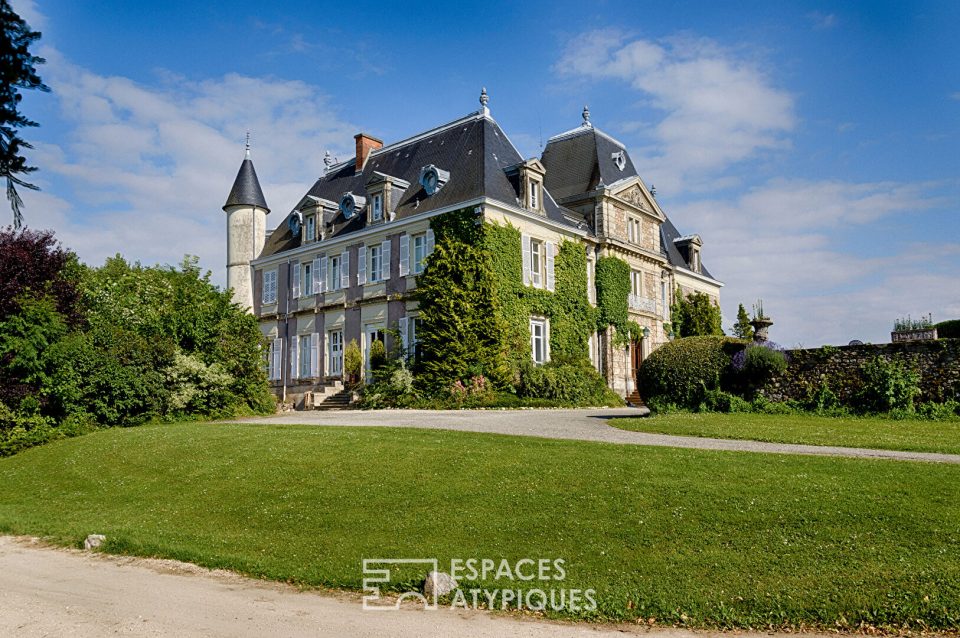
<point x="948" y="329"/>
<point x="680" y="372"/>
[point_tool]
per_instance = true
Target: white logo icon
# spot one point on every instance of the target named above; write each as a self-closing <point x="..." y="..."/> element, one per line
<point x="376" y="572"/>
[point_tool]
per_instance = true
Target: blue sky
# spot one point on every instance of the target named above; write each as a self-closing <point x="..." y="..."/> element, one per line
<point x="812" y="145"/>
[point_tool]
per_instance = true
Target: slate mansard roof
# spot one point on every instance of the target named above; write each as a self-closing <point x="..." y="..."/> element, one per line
<point x="475" y="151"/>
<point x="579" y="160"/>
<point x="246" y="188"/>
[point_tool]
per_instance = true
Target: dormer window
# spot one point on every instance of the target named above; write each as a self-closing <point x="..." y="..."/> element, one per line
<point x="377" y="207"/>
<point x="351" y="204"/>
<point x="310" y="226"/>
<point x="529" y="181"/>
<point x="433" y="179"/>
<point x="619" y="159"/>
<point x="689" y="247"/>
<point x="534" y="195"/>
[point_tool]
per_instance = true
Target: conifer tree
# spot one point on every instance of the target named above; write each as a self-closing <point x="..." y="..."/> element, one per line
<point x="742" y="328"/>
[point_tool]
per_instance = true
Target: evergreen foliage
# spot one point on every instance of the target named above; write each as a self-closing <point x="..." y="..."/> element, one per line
<point x="461" y="328"/>
<point x="948" y="329"/>
<point x="695" y="315"/>
<point x="682" y="371"/>
<point x="18" y="71"/>
<point x="742" y="329"/>
<point x="139" y="343"/>
<point x="613" y="289"/>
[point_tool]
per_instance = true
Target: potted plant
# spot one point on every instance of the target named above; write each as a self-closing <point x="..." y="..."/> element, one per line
<point x="910" y="329"/>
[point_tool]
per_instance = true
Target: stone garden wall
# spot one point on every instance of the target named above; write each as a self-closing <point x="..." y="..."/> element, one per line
<point x="937" y="361"/>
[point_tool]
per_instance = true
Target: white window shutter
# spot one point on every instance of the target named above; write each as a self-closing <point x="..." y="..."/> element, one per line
<point x="315" y="355"/>
<point x="361" y="265"/>
<point x="265" y="293"/>
<point x="385" y="260"/>
<point x="317" y="279"/>
<point x="525" y="242"/>
<point x="402" y="329"/>
<point x="430" y="241"/>
<point x="551" y="281"/>
<point x="404" y="255"/>
<point x="296" y="280"/>
<point x="276" y="355"/>
<point x="345" y="270"/>
<point x="293" y="357"/>
<point x="323" y="274"/>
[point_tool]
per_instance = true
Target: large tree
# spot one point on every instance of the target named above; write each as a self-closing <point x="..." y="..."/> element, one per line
<point x="17" y="71"/>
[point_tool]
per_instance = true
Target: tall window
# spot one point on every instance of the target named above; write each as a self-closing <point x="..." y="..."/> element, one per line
<point x="538" y="340"/>
<point x="311" y="228"/>
<point x="413" y="346"/>
<point x="634" y="230"/>
<point x="269" y="286"/>
<point x="419" y="252"/>
<point x="376" y="257"/>
<point x="377" y="207"/>
<point x="663" y="297"/>
<point x="306" y="279"/>
<point x="303" y="352"/>
<point x="333" y="273"/>
<point x="534" y="195"/>
<point x="335" y="356"/>
<point x="536" y="263"/>
<point x="636" y="282"/>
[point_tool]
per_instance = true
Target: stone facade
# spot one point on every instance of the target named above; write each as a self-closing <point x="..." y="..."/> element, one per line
<point x="937" y="361"/>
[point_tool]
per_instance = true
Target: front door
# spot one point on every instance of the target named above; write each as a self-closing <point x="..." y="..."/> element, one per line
<point x="636" y="358"/>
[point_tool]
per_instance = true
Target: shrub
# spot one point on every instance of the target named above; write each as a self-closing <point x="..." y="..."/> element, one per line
<point x="720" y="401"/>
<point x="763" y="405"/>
<point x="887" y="385"/>
<point x="948" y="329"/>
<point x="572" y="383"/>
<point x="681" y="371"/>
<point x="939" y="411"/>
<point x="758" y="363"/>
<point x="378" y="355"/>
<point x="352" y="360"/>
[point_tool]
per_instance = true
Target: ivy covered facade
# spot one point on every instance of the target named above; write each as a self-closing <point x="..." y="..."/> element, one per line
<point x="451" y="246"/>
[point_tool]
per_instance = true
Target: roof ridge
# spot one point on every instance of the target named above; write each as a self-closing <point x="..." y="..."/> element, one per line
<point x="583" y="129"/>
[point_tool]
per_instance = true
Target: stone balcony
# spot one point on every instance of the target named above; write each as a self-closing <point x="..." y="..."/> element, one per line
<point x="642" y="304"/>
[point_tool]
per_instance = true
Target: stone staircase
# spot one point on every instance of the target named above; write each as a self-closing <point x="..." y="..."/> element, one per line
<point x="634" y="399"/>
<point x="332" y="396"/>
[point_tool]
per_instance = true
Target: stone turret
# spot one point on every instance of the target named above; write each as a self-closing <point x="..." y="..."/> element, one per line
<point x="246" y="211"/>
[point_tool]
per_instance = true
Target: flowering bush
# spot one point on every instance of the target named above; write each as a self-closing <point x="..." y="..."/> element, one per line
<point x="759" y="362"/>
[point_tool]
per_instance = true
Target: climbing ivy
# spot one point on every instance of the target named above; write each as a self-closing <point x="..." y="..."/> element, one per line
<point x="461" y="327"/>
<point x="475" y="310"/>
<point x="613" y="288"/>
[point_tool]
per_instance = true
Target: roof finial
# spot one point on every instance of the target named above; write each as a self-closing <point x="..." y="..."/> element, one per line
<point x="586" y="116"/>
<point x="247" y="148"/>
<point x="484" y="98"/>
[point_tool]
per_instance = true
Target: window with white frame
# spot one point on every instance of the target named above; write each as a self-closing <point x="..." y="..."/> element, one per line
<point x="376" y="263"/>
<point x="536" y="263"/>
<point x="663" y="297"/>
<point x="377" y="207"/>
<point x="333" y="272"/>
<point x="539" y="344"/>
<point x="274" y="357"/>
<point x="311" y="228"/>
<point x="306" y="279"/>
<point x="413" y="346"/>
<point x="634" y="231"/>
<point x="269" y="286"/>
<point x="304" y="352"/>
<point x="419" y="252"/>
<point x="534" y="199"/>
<point x="636" y="282"/>
<point x="335" y="352"/>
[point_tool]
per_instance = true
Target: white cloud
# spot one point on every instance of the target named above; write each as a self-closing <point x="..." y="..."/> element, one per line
<point x="719" y="109"/>
<point x="145" y="169"/>
<point x="28" y="10"/>
<point x="823" y="21"/>
<point x="800" y="246"/>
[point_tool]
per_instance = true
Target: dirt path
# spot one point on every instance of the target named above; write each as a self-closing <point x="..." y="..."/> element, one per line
<point x="54" y="592"/>
<point x="583" y="424"/>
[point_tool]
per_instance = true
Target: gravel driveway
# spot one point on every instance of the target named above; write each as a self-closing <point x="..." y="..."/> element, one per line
<point x="582" y="424"/>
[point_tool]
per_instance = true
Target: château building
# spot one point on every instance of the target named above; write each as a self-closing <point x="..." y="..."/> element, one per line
<point x="342" y="264"/>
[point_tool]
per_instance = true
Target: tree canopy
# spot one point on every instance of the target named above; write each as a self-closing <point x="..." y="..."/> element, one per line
<point x="17" y="71"/>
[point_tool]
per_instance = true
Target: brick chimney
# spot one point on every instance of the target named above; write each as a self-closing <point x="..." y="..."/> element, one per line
<point x="365" y="144"/>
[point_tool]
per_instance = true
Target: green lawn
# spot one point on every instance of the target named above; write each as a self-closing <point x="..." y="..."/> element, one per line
<point x="913" y="435"/>
<point x="705" y="538"/>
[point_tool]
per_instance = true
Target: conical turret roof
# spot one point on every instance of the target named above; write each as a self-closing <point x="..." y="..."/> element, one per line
<point x="246" y="188"/>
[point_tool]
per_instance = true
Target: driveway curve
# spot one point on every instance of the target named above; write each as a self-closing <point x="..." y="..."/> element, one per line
<point x="581" y="424"/>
